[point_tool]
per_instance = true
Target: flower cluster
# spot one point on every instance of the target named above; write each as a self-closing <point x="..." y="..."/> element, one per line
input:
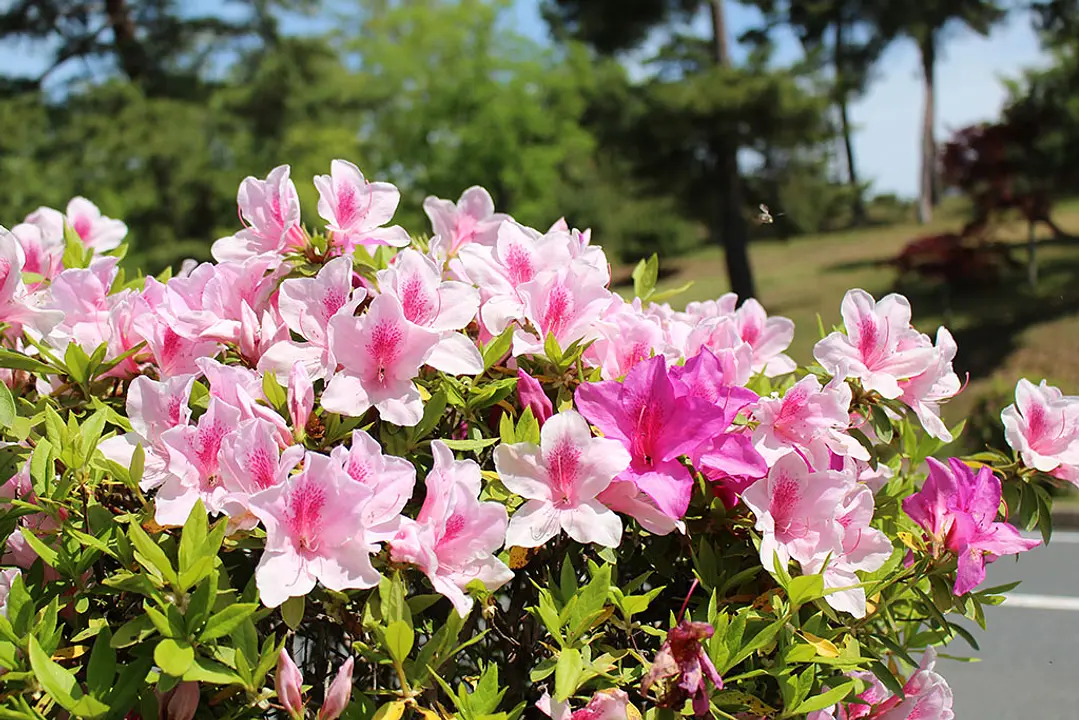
<point x="294" y="390"/>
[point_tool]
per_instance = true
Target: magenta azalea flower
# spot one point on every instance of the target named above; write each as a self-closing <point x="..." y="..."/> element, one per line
<point x="561" y="478"/>
<point x="958" y="509"/>
<point x="657" y="426"/>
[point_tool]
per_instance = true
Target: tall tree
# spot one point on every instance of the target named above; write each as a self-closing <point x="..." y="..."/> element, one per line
<point x="927" y="23"/>
<point x="613" y="26"/>
<point x="842" y="35"/>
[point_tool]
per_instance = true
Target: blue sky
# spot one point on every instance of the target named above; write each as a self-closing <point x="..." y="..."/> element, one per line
<point x="887" y="118"/>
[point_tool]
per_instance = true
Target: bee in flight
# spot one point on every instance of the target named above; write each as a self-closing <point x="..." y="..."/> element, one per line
<point x="766" y="217"/>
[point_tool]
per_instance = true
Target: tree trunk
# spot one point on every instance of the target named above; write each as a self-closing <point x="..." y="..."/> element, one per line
<point x="130" y="52"/>
<point x="729" y="225"/>
<point x="928" y="185"/>
<point x="857" y="201"/>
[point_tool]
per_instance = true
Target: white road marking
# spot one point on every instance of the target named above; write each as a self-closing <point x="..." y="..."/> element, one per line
<point x="1041" y="602"/>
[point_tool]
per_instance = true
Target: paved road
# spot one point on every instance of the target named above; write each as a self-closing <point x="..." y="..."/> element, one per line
<point x="1028" y="655"/>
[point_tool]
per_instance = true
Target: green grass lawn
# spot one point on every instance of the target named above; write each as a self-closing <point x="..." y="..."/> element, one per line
<point x="1004" y="329"/>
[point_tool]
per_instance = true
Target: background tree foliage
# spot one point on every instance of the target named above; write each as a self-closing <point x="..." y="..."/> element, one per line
<point x="157" y="108"/>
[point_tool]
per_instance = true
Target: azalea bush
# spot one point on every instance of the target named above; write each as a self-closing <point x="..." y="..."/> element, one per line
<point x="353" y="472"/>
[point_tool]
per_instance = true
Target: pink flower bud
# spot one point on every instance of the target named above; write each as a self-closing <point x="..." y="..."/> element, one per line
<point x="531" y="395"/>
<point x="250" y="329"/>
<point x="287" y="683"/>
<point x="184" y="701"/>
<point x="338" y="695"/>
<point x="301" y="398"/>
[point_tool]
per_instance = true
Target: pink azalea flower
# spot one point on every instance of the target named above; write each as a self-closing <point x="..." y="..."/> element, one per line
<point x="455" y="536"/>
<point x="7" y="577"/>
<point x="271" y="210"/>
<point x="768" y="336"/>
<point x="241" y="389"/>
<point x="657" y="426"/>
<point x="249" y="461"/>
<point x="610" y="704"/>
<point x="531" y="395"/>
<point x="381" y="353"/>
<point x="625" y="336"/>
<point x="1043" y="427"/>
<point x="681" y="667"/>
<point x="561" y="479"/>
<point x="314" y="532"/>
<point x="925" y="392"/>
<point x="288" y="684"/>
<point x="719" y="336"/>
<point x="44" y="256"/>
<point x="18" y="306"/>
<point x="625" y="497"/>
<point x="878" y="347"/>
<point x="301" y="398"/>
<point x="94" y="229"/>
<point x="874" y="694"/>
<point x="259" y="334"/>
<point x="725" y="305"/>
<point x="443" y="306"/>
<point x="153" y="408"/>
<point x="864" y="548"/>
<point x="339" y="693"/>
<point x="471" y="220"/>
<point x="958" y="509"/>
<point x="796" y="511"/>
<point x="926" y="696"/>
<point x="808" y="419"/>
<point x="517" y="257"/>
<point x="356" y="210"/>
<point x="193" y="470"/>
<point x="307" y="305"/>
<point x="566" y="303"/>
<point x="172" y="353"/>
<point x="391" y="480"/>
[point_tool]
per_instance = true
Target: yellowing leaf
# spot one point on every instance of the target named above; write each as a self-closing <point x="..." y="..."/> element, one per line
<point x="69" y="653"/>
<point x="390" y="711"/>
<point x="908" y="539"/>
<point x="825" y="648"/>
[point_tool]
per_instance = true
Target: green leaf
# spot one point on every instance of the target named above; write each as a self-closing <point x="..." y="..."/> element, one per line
<point x="46" y="553"/>
<point x="567" y="674"/>
<point x="645" y="276"/>
<point x="78" y="363"/>
<point x="61" y="685"/>
<point x="805" y="588"/>
<point x="76" y="254"/>
<point x="497" y="348"/>
<point x="399" y="640"/>
<point x="133" y="631"/>
<point x="18" y="361"/>
<point x="7" y="407"/>
<point x="193" y="539"/>
<point x="889" y="680"/>
<point x="824" y="700"/>
<point x="292" y="611"/>
<point x="152" y="556"/>
<point x="275" y="394"/>
<point x="528" y="428"/>
<point x="209" y="671"/>
<point x="138" y="465"/>
<point x="224" y="622"/>
<point x="173" y="656"/>
<point x="466" y="445"/>
<point x="664" y="295"/>
<point x="101" y="669"/>
<point x="882" y="424"/>
<point x="433" y="410"/>
<point x="551" y="349"/>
